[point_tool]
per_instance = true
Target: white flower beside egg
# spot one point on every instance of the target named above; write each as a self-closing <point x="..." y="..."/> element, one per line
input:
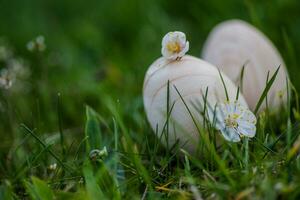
<point x="234" y="121"/>
<point x="174" y="45"/>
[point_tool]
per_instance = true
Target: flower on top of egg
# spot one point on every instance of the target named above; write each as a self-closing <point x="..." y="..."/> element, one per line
<point x="174" y="45"/>
<point x="233" y="120"/>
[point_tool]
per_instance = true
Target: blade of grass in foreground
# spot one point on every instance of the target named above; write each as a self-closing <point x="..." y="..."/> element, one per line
<point x="242" y="76"/>
<point x="61" y="133"/>
<point x="28" y="163"/>
<point x="39" y="189"/>
<point x="93" y="190"/>
<point x="142" y="171"/>
<point x="204" y="106"/>
<point x="266" y="90"/>
<point x="188" y="109"/>
<point x="267" y="105"/>
<point x="46" y="147"/>
<point x="295" y="126"/>
<point x="237" y="93"/>
<point x="225" y="89"/>
<point x="92" y="130"/>
<point x="208" y="144"/>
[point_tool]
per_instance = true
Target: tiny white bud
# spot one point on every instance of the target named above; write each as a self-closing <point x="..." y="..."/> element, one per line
<point x="52" y="167"/>
<point x="96" y="154"/>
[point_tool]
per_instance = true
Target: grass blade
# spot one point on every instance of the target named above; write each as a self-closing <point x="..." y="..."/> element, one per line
<point x="45" y="147"/>
<point x="266" y="90"/>
<point x="92" y="130"/>
<point x="225" y="89"/>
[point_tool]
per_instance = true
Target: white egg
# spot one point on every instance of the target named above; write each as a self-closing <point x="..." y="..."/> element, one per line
<point x="191" y="76"/>
<point x="235" y="43"/>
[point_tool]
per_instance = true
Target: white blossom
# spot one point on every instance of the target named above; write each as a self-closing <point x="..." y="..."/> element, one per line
<point x="37" y="44"/>
<point x="6" y="78"/>
<point x="174" y="45"/>
<point x="234" y="121"/>
<point x="53" y="167"/>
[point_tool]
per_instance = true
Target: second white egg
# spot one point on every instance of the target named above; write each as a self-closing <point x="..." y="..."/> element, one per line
<point x="235" y="43"/>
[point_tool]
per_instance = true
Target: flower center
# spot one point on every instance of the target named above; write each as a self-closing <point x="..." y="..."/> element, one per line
<point x="174" y="47"/>
<point x="230" y="121"/>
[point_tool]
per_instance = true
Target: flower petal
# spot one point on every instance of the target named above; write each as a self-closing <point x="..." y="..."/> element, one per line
<point x="184" y="50"/>
<point x="248" y="116"/>
<point x="230" y="135"/>
<point x="247" y="129"/>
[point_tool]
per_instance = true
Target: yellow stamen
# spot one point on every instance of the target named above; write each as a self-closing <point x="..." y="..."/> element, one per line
<point x="235" y="116"/>
<point x="174" y="47"/>
<point x="230" y="121"/>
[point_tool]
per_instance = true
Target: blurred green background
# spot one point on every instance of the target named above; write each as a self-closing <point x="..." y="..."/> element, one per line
<point x="98" y="51"/>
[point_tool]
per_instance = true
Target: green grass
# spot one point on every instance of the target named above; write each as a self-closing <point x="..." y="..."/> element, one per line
<point x="84" y="92"/>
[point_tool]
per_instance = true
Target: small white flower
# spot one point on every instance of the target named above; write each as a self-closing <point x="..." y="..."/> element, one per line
<point x="234" y="121"/>
<point x="6" y="79"/>
<point x="14" y="72"/>
<point x="30" y="46"/>
<point x="53" y="167"/>
<point x="37" y="44"/>
<point x="174" y="45"/>
<point x="5" y="83"/>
